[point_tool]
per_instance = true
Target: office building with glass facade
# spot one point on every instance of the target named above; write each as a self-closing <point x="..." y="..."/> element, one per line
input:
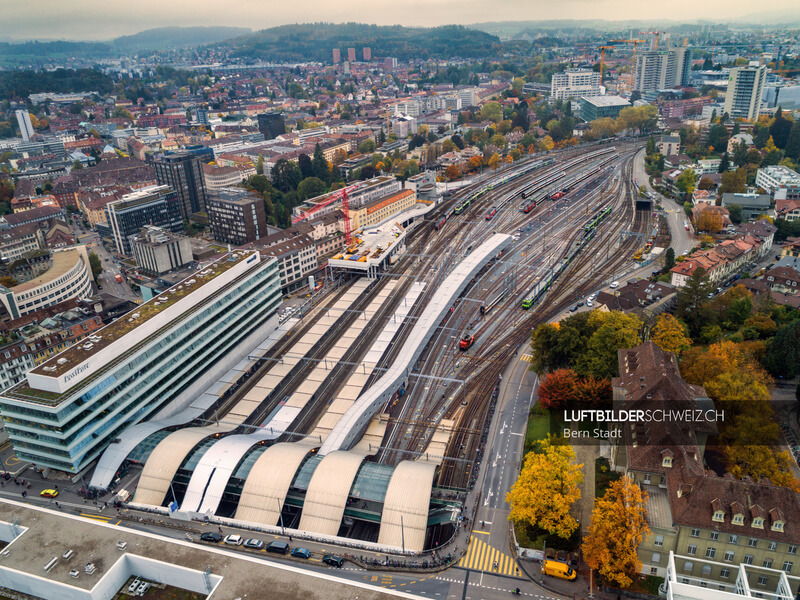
<point x="71" y="407"/>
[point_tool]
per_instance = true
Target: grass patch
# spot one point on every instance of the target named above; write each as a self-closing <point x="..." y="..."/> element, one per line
<point x="647" y="585"/>
<point x="603" y="476"/>
<point x="538" y="427"/>
<point x="530" y="536"/>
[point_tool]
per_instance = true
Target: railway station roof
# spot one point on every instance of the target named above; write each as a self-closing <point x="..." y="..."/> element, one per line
<point x="268" y="482"/>
<point x="405" y="509"/>
<point x="328" y="492"/>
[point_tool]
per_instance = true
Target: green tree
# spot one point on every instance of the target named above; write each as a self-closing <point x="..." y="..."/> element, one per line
<point x="782" y="357"/>
<point x="311" y="187"/>
<point x="77" y="165"/>
<point x="692" y="299"/>
<point x="492" y="111"/>
<point x="614" y="330"/>
<point x="651" y="145"/>
<point x="260" y="165"/>
<point x="735" y="212"/>
<point x="95" y="264"/>
<point x="792" y="148"/>
<point x="733" y="182"/>
<point x="740" y="153"/>
<point x="367" y="146"/>
<point x="320" y="165"/>
<point x="686" y="182"/>
<point x="780" y="129"/>
<point x="724" y="163"/>
<point x="669" y="259"/>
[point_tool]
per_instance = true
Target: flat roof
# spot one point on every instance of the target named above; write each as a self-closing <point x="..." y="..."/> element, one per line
<point x="63" y="261"/>
<point x="243" y="574"/>
<point x="100" y="339"/>
<point x="606" y="100"/>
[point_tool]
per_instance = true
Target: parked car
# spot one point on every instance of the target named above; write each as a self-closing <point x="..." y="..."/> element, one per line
<point x="333" y="560"/>
<point x="233" y="540"/>
<point x="301" y="553"/>
<point x="614" y="284"/>
<point x="278" y="547"/>
<point x="211" y="536"/>
<point x="253" y="543"/>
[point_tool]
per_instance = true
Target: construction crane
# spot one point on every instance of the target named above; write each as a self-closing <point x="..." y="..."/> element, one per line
<point x="655" y="33"/>
<point x="603" y="60"/>
<point x="634" y="42"/>
<point x="332" y="198"/>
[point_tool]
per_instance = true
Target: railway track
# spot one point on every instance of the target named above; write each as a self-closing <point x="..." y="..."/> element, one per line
<point x="485" y="366"/>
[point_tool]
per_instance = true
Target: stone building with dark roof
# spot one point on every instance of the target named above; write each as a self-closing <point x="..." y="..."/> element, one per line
<point x="692" y="511"/>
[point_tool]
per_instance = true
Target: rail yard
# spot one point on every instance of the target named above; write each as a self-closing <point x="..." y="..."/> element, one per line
<point x="299" y="439"/>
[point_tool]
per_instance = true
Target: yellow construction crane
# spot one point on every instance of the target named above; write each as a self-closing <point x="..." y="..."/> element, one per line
<point x="634" y="42"/>
<point x="655" y="33"/>
<point x="603" y="60"/>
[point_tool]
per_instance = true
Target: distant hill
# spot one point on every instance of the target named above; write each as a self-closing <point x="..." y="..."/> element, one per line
<point x="176" y="37"/>
<point x="315" y="42"/>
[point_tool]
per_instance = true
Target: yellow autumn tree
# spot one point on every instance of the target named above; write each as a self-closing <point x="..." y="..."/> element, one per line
<point x="670" y="335"/>
<point x="618" y="527"/>
<point x="494" y="161"/>
<point x="548" y="143"/>
<point x="546" y="489"/>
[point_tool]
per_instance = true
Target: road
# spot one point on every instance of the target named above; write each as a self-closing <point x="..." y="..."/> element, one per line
<point x="682" y="240"/>
<point x="107" y="278"/>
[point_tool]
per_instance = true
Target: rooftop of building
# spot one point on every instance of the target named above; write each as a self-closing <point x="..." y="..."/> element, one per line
<point x="47" y="533"/>
<point x="141" y="195"/>
<point x="781" y="174"/>
<point x="75" y="355"/>
<point x="63" y="261"/>
<point x="601" y="101"/>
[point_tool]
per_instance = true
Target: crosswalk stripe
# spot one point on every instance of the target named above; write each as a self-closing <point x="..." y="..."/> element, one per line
<point x="481" y="556"/>
<point x="526" y="357"/>
<point x="96" y="517"/>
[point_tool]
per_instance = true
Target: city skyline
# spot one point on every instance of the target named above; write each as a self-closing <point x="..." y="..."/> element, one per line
<point x="70" y="22"/>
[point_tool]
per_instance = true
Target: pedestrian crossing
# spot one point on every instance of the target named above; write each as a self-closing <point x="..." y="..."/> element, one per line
<point x="481" y="556"/>
<point x="526" y="357"/>
<point x="96" y="517"/>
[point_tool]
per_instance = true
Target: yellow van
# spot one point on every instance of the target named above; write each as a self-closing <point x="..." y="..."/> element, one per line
<point x="558" y="569"/>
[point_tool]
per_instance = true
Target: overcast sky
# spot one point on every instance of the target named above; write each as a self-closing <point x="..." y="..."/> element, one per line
<point x="105" y="19"/>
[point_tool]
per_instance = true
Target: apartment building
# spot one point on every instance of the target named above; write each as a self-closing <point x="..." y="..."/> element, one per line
<point x="661" y="69"/>
<point x="777" y="177"/>
<point x="745" y="88"/>
<point x="574" y="84"/>
<point x="691" y="510"/>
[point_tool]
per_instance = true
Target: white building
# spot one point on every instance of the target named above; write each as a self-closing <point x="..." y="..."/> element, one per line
<point x="776" y="177"/>
<point x="574" y="84"/>
<point x="88" y="394"/>
<point x="697" y="578"/>
<point x="661" y="69"/>
<point x="745" y="88"/>
<point x="68" y="277"/>
<point x="25" y="126"/>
